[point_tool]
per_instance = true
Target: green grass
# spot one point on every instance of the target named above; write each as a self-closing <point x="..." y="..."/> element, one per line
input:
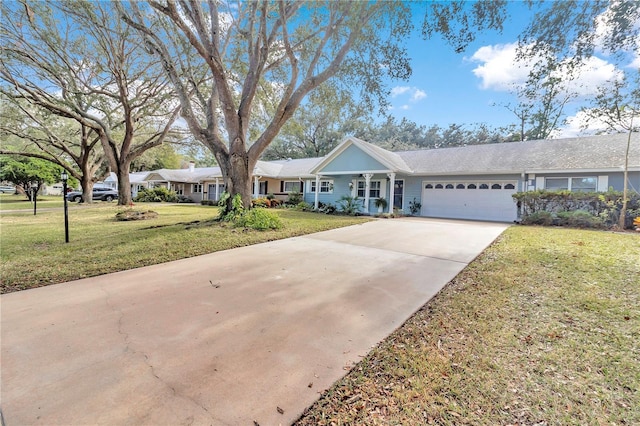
<point x="543" y="328"/>
<point x="33" y="251"/>
<point x="20" y="202"/>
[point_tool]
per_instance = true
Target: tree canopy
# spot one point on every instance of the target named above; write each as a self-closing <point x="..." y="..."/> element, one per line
<point x="252" y="63"/>
<point x="77" y="60"/>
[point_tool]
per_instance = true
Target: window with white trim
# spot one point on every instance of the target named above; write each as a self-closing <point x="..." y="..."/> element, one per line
<point x="326" y="186"/>
<point x="374" y="188"/>
<point x="577" y="184"/>
<point x="179" y="189"/>
<point x="291" y="186"/>
<point x="196" y="188"/>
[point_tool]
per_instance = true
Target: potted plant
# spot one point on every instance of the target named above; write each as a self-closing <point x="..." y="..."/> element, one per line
<point x="381" y="204"/>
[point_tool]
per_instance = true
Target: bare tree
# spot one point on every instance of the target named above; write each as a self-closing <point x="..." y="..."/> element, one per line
<point x="78" y="61"/>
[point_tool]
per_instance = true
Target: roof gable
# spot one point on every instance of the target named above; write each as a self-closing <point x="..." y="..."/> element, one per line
<point x="356" y="156"/>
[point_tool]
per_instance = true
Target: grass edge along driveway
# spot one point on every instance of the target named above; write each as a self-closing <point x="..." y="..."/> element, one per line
<point x="543" y="328"/>
<point x="33" y="252"/>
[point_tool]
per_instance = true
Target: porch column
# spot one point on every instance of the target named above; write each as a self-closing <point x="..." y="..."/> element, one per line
<point x="217" y="190"/>
<point x="315" y="200"/>
<point x="367" y="180"/>
<point x="392" y="187"/>
<point x="256" y="186"/>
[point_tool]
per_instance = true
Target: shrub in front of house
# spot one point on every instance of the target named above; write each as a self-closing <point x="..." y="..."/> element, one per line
<point x="538" y="218"/>
<point x="294" y="199"/>
<point x="303" y="206"/>
<point x="258" y="218"/>
<point x="568" y="208"/>
<point x="349" y="205"/>
<point x="184" y="199"/>
<point x="326" y="208"/>
<point x="579" y="219"/>
<point x="156" y="195"/>
<point x="261" y="202"/>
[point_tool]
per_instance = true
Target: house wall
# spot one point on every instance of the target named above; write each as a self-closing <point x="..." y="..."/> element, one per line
<point x="616" y="180"/>
<point x="352" y="158"/>
<point x="273" y="187"/>
<point x="613" y="179"/>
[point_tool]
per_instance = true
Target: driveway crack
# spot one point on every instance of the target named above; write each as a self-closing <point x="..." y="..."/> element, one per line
<point x="145" y="357"/>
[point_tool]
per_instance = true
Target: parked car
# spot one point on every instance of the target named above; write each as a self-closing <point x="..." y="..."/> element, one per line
<point x="7" y="189"/>
<point x="102" y="194"/>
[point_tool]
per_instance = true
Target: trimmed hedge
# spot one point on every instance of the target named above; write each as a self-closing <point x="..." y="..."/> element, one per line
<point x="580" y="209"/>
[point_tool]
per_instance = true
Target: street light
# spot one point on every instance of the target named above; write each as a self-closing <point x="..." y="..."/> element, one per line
<point x="34" y="194"/>
<point x="64" y="176"/>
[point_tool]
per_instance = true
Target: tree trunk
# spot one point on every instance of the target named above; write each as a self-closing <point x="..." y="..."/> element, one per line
<point x="623" y="211"/>
<point x="238" y="180"/>
<point x="86" y="183"/>
<point x="124" y="185"/>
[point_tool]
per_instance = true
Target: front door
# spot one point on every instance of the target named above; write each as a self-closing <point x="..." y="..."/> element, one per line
<point x="398" y="194"/>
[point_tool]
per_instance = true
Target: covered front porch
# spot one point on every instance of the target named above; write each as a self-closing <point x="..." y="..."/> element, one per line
<point x="359" y="169"/>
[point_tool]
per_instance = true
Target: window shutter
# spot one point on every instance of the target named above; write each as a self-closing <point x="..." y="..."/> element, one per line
<point x="603" y="183"/>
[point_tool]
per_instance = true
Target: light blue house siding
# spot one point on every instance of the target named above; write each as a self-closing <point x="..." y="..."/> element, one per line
<point x="604" y="180"/>
<point x="412" y="190"/>
<point x="352" y="158"/>
<point x="616" y="181"/>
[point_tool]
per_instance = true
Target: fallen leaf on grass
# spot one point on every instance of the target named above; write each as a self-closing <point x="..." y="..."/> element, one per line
<point x="353" y="399"/>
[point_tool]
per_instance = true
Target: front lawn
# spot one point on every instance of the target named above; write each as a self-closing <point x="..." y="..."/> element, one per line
<point x="21" y="202"/>
<point x="542" y="329"/>
<point x="33" y="252"/>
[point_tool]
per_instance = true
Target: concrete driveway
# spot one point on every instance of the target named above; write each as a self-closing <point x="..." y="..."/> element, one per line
<point x="231" y="338"/>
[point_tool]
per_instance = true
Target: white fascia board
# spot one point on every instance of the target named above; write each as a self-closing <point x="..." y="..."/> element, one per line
<point x="598" y="170"/>
<point x="470" y="173"/>
<point x="354" y="172"/>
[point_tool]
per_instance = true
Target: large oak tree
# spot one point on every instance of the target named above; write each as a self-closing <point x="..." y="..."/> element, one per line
<point x="253" y="49"/>
<point x="77" y="60"/>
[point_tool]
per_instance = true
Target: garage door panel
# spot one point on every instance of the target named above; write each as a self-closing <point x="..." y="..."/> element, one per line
<point x="476" y="204"/>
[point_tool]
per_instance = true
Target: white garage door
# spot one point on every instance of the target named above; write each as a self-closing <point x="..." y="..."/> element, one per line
<point x="469" y="200"/>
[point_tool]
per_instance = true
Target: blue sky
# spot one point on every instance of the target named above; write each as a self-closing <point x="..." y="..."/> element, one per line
<point x="448" y="87"/>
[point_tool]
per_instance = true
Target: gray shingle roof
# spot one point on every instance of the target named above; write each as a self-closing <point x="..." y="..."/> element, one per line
<point x="300" y="167"/>
<point x="593" y="152"/>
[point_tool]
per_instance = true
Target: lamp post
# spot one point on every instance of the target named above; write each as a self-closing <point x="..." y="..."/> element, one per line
<point x="64" y="176"/>
<point x="34" y="194"/>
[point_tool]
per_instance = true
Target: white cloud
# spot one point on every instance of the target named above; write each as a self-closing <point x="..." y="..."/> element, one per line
<point x="416" y="93"/>
<point x="405" y="107"/>
<point x="399" y="90"/>
<point x="582" y="124"/>
<point x="594" y="73"/>
<point x="498" y="69"/>
<point x="635" y="63"/>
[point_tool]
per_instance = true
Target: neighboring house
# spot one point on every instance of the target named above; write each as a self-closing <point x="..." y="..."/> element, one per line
<point x="473" y="182"/>
<point x="137" y="181"/>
